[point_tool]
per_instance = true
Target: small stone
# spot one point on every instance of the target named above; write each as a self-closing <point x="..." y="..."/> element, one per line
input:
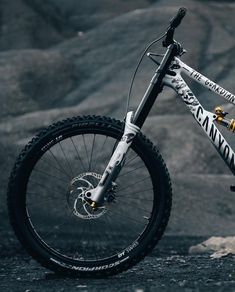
<point x="182" y="283"/>
<point x="80" y="33"/>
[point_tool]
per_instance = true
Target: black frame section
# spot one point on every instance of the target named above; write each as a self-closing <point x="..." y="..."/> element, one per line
<point x="155" y="86"/>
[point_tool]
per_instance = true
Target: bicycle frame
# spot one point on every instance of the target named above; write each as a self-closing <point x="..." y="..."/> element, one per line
<point x="167" y="74"/>
<point x="204" y="118"/>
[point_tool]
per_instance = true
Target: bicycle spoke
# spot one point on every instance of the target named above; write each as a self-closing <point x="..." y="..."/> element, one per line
<point x="59" y="226"/>
<point x="134" y="193"/>
<point x="48" y="174"/>
<point x="90" y="232"/>
<point x="92" y="148"/>
<point x="100" y="151"/>
<point x="135" y="206"/>
<point x="125" y="173"/>
<point x="133" y="198"/>
<point x="130" y="226"/>
<point x="49" y="189"/>
<point x="114" y="211"/>
<point x="42" y="202"/>
<point x="78" y="156"/>
<point x="52" y="166"/>
<point x="85" y="150"/>
<point x="130" y="160"/>
<point x="133" y="184"/>
<point x="66" y="159"/>
<point x="58" y="163"/>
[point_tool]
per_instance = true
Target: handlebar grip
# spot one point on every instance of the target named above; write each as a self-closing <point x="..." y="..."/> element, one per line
<point x="177" y="19"/>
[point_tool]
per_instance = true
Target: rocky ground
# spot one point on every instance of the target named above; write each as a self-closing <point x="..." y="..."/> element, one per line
<point x="168" y="268"/>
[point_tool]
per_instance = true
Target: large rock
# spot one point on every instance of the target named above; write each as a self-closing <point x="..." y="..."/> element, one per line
<point x="32" y="80"/>
<point x="23" y="27"/>
<point x="41" y="24"/>
<point x="101" y="61"/>
<point x="216" y="246"/>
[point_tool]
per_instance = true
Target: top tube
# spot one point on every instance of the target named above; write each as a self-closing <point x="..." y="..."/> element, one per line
<point x="206" y="82"/>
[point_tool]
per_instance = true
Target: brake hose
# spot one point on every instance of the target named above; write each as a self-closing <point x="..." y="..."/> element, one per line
<point x="137" y="67"/>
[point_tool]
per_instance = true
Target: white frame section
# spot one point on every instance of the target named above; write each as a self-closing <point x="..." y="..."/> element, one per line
<point x="204" y="118"/>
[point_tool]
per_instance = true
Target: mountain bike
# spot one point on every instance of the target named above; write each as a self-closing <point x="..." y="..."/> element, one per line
<point x="90" y="195"/>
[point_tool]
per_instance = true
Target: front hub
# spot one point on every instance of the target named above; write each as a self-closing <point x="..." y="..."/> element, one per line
<point x="77" y="198"/>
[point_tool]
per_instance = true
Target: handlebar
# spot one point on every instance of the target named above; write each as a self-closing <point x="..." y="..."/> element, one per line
<point x="174" y="23"/>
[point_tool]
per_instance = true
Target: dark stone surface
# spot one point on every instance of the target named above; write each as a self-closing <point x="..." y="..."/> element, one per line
<point x="168" y="268"/>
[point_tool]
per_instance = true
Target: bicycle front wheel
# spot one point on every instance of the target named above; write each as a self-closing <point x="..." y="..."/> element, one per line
<point x="51" y="216"/>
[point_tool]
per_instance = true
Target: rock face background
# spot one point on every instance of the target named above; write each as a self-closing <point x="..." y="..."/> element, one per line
<point x="64" y="58"/>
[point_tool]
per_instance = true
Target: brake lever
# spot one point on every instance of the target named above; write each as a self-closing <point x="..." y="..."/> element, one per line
<point x="183" y="52"/>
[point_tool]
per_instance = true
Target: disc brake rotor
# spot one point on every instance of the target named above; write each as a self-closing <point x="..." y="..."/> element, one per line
<point x="76" y="196"/>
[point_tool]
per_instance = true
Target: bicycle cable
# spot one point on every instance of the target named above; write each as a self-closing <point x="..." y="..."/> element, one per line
<point x="137" y="67"/>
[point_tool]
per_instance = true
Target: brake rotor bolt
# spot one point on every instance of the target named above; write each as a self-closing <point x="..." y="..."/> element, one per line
<point x="93" y="205"/>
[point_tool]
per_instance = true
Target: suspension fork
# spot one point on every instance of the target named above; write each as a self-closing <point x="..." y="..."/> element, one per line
<point x="115" y="164"/>
<point x="133" y="124"/>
